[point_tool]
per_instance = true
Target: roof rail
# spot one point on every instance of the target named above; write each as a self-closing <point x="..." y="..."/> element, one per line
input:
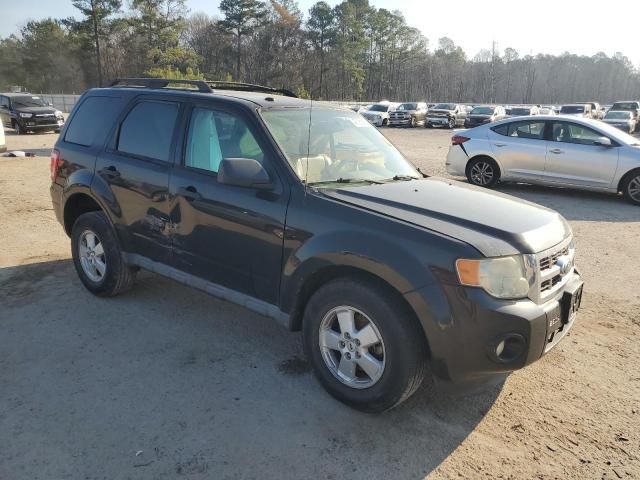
<point x="248" y="87"/>
<point x="201" y="85"/>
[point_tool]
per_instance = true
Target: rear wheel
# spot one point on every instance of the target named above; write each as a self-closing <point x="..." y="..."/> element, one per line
<point x="365" y="347"/>
<point x="631" y="187"/>
<point x="483" y="172"/>
<point x="97" y="256"/>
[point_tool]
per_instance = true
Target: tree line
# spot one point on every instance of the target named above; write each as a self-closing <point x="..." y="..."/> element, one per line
<point x="350" y="52"/>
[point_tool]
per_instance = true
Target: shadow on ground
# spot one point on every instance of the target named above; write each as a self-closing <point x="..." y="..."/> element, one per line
<point x="195" y="386"/>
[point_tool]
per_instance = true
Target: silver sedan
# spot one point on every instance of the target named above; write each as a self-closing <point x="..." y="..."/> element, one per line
<point x="549" y="150"/>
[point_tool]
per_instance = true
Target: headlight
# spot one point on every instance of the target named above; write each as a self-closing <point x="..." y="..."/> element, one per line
<point x="59" y="114"/>
<point x="502" y="277"/>
<point x="26" y="115"/>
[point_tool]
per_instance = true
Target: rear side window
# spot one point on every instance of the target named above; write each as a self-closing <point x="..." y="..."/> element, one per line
<point x="91" y="122"/>
<point x="533" y="130"/>
<point x="148" y="129"/>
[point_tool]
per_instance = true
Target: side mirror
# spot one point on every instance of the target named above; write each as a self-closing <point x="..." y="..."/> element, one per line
<point x="602" y="142"/>
<point x="244" y="172"/>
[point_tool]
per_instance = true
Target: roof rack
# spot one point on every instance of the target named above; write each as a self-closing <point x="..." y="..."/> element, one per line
<point x="249" y="87"/>
<point x="201" y="85"/>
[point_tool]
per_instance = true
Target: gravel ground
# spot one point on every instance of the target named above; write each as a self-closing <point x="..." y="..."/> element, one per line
<point x="167" y="382"/>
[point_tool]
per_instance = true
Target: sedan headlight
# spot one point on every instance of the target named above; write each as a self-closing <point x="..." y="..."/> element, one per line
<point x="502" y="277"/>
<point x="26" y="115"/>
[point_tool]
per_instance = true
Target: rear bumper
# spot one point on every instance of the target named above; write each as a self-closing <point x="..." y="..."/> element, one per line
<point x="464" y="327"/>
<point x="456" y="162"/>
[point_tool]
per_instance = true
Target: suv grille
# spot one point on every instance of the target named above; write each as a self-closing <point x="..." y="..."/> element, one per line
<point x="550" y="275"/>
<point x="547" y="262"/>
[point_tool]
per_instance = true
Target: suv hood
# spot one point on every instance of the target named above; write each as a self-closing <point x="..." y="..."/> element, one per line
<point x="36" y="110"/>
<point x="494" y="223"/>
<point x="440" y="111"/>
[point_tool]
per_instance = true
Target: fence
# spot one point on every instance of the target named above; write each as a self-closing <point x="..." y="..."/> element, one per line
<point x="64" y="103"/>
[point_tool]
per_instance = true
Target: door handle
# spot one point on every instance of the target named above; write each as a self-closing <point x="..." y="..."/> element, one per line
<point x="190" y="193"/>
<point x="556" y="150"/>
<point x="500" y="144"/>
<point x="110" y="171"/>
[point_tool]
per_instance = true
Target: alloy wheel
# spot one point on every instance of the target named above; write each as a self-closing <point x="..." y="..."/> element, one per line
<point x="92" y="257"/>
<point x="634" y="189"/>
<point x="352" y="347"/>
<point x="482" y="173"/>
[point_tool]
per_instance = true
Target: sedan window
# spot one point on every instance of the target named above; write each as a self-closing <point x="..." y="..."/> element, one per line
<point x="533" y="130"/>
<point x="567" y="132"/>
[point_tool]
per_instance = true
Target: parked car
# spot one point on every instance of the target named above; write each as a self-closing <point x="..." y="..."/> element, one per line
<point x="25" y="112"/>
<point x="484" y="114"/>
<point x="556" y="151"/>
<point x="409" y="114"/>
<point x="577" y="110"/>
<point x="547" y="110"/>
<point x="3" y="143"/>
<point x="596" y="110"/>
<point x="446" y="115"/>
<point x="523" y="111"/>
<point x="259" y="199"/>
<point x="624" y="120"/>
<point x="629" y="106"/>
<point x="378" y="114"/>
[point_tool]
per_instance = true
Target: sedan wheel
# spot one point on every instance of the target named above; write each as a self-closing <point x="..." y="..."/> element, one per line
<point x="352" y="347"/>
<point x="483" y="172"/>
<point x="452" y="123"/>
<point x="631" y="188"/>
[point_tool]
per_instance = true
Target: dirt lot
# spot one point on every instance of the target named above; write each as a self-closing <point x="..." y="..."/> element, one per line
<point x="167" y="382"/>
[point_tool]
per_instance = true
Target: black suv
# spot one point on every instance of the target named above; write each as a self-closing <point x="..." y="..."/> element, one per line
<point x="25" y="112"/>
<point x="307" y="214"/>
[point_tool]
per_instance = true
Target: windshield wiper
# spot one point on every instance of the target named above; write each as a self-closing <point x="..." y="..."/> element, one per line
<point x="401" y="178"/>
<point x="347" y="180"/>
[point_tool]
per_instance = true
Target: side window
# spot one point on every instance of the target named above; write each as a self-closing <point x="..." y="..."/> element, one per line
<point x="527" y="129"/>
<point x="567" y="132"/>
<point x="4" y="102"/>
<point x="214" y="135"/>
<point x="92" y="120"/>
<point x="148" y="129"/>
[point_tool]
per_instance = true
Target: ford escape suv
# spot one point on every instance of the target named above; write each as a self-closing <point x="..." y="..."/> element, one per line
<point x="305" y="213"/>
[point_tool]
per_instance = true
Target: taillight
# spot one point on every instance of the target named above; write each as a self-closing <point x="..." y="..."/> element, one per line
<point x="56" y="162"/>
<point x="458" y="140"/>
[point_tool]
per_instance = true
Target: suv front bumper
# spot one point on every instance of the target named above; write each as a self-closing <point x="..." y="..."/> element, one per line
<point x="472" y="335"/>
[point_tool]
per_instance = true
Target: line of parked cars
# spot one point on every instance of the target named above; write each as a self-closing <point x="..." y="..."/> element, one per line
<point x="623" y="115"/>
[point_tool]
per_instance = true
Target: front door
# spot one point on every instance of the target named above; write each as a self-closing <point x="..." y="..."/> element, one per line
<point x="5" y="113"/>
<point x="134" y="171"/>
<point x="574" y="159"/>
<point x="231" y="236"/>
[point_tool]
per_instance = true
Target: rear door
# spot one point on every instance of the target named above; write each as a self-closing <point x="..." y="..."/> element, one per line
<point x="573" y="159"/>
<point x="229" y="235"/>
<point x="132" y="173"/>
<point x="520" y="148"/>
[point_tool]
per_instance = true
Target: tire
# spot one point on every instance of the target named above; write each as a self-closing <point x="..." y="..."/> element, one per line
<point x="483" y="172"/>
<point x="631" y="187"/>
<point x="385" y="122"/>
<point x="402" y="349"/>
<point x="413" y="122"/>
<point x="452" y="123"/>
<point x="427" y="125"/>
<point x="18" y="128"/>
<point x="114" y="276"/>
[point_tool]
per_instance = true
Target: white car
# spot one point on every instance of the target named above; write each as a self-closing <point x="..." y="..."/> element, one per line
<point x="3" y="144"/>
<point x="549" y="150"/>
<point x="378" y="114"/>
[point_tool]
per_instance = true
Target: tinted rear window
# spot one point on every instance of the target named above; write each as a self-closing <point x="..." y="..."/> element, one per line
<point x="148" y="129"/>
<point x="91" y="122"/>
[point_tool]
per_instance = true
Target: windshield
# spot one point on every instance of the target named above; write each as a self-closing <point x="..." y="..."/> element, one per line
<point x="520" y="111"/>
<point x="572" y="109"/>
<point x="28" y="101"/>
<point x="625" y="106"/>
<point x="619" y="115"/>
<point x="341" y="146"/>
<point x="408" y="106"/>
<point x="482" y="111"/>
<point x="379" y="108"/>
<point x="445" y="106"/>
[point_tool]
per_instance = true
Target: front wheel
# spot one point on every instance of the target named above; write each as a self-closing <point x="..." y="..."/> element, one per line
<point x="452" y="123"/>
<point x="97" y="256"/>
<point x="18" y="128"/>
<point x="631" y="187"/>
<point x="413" y="122"/>
<point x="483" y="172"/>
<point x="365" y="348"/>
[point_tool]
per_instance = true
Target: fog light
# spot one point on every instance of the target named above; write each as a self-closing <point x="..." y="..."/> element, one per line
<point x="508" y="348"/>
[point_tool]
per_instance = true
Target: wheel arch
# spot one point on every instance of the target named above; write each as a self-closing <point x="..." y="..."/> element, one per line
<point x="487" y="156"/>
<point x="626" y="176"/>
<point x="77" y="204"/>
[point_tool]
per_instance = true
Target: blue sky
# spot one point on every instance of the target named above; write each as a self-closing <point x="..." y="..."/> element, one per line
<point x="543" y="26"/>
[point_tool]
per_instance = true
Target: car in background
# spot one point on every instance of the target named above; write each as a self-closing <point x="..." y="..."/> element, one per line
<point x="549" y="150"/>
<point x="523" y="111"/>
<point x="409" y="114"/>
<point x="596" y="110"/>
<point x="547" y="110"/>
<point x="3" y="143"/>
<point x="448" y="115"/>
<point x="630" y="106"/>
<point x="484" y="114"/>
<point x="25" y="112"/>
<point x="378" y="114"/>
<point x="621" y="119"/>
<point x="577" y="110"/>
